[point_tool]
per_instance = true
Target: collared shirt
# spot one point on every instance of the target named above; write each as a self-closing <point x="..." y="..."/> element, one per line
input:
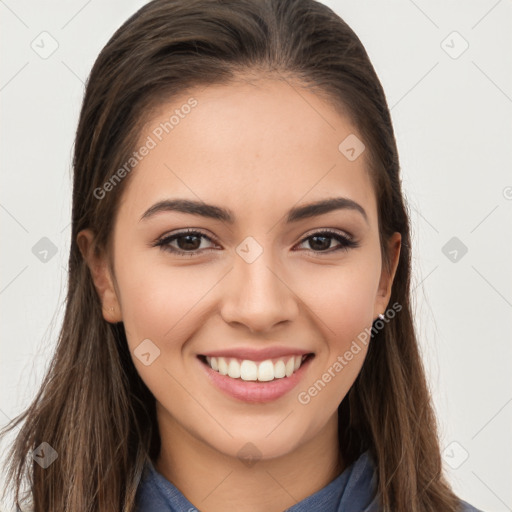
<point x="354" y="490"/>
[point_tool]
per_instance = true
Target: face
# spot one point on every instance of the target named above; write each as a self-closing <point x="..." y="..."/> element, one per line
<point x="258" y="276"/>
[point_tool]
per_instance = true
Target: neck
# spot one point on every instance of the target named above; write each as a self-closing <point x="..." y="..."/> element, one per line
<point x="210" y="479"/>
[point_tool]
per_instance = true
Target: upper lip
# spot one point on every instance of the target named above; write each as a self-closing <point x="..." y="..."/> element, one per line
<point x="254" y="354"/>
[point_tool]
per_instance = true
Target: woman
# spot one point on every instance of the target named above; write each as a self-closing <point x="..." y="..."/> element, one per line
<point x="238" y="333"/>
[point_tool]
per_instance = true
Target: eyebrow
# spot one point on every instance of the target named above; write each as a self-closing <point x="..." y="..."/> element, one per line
<point x="223" y="214"/>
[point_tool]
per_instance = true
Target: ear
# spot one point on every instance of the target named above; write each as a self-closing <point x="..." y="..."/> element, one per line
<point x="101" y="276"/>
<point x="387" y="275"/>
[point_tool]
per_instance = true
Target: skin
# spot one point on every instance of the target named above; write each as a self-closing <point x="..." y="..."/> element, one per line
<point x="258" y="149"/>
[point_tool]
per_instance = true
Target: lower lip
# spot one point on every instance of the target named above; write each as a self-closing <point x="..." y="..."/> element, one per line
<point x="254" y="391"/>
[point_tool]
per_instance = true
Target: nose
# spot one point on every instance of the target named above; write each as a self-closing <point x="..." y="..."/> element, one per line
<point x="258" y="296"/>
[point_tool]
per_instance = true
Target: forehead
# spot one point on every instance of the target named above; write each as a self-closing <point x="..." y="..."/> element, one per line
<point x="255" y="146"/>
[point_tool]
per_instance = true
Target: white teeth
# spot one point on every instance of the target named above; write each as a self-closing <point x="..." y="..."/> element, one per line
<point x="290" y="365"/>
<point x="266" y="371"/>
<point x="279" y="370"/>
<point x="250" y="370"/>
<point x="234" y="369"/>
<point x="223" y="366"/>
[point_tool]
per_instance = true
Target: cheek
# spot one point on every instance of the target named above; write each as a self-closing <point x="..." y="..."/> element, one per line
<point x="342" y="299"/>
<point x="162" y="304"/>
<point x="160" y="301"/>
<point x="342" y="303"/>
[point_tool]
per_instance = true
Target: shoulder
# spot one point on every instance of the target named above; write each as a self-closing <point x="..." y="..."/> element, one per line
<point x="364" y="475"/>
<point x="466" y="507"/>
<point x="155" y="492"/>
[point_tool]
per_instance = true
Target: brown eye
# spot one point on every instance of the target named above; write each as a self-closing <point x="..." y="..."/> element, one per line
<point x="321" y="241"/>
<point x="188" y="243"/>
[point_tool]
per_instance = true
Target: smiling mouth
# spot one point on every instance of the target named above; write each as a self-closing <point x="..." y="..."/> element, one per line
<point x="261" y="371"/>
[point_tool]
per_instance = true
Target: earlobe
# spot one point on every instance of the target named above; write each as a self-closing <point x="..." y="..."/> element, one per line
<point x="388" y="274"/>
<point x="101" y="276"/>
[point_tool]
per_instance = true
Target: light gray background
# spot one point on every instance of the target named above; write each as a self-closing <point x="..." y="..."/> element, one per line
<point x="452" y="118"/>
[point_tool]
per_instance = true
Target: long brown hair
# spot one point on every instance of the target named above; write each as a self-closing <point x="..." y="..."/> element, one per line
<point x="92" y="407"/>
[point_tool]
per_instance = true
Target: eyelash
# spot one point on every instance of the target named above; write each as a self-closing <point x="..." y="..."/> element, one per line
<point x="346" y="243"/>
